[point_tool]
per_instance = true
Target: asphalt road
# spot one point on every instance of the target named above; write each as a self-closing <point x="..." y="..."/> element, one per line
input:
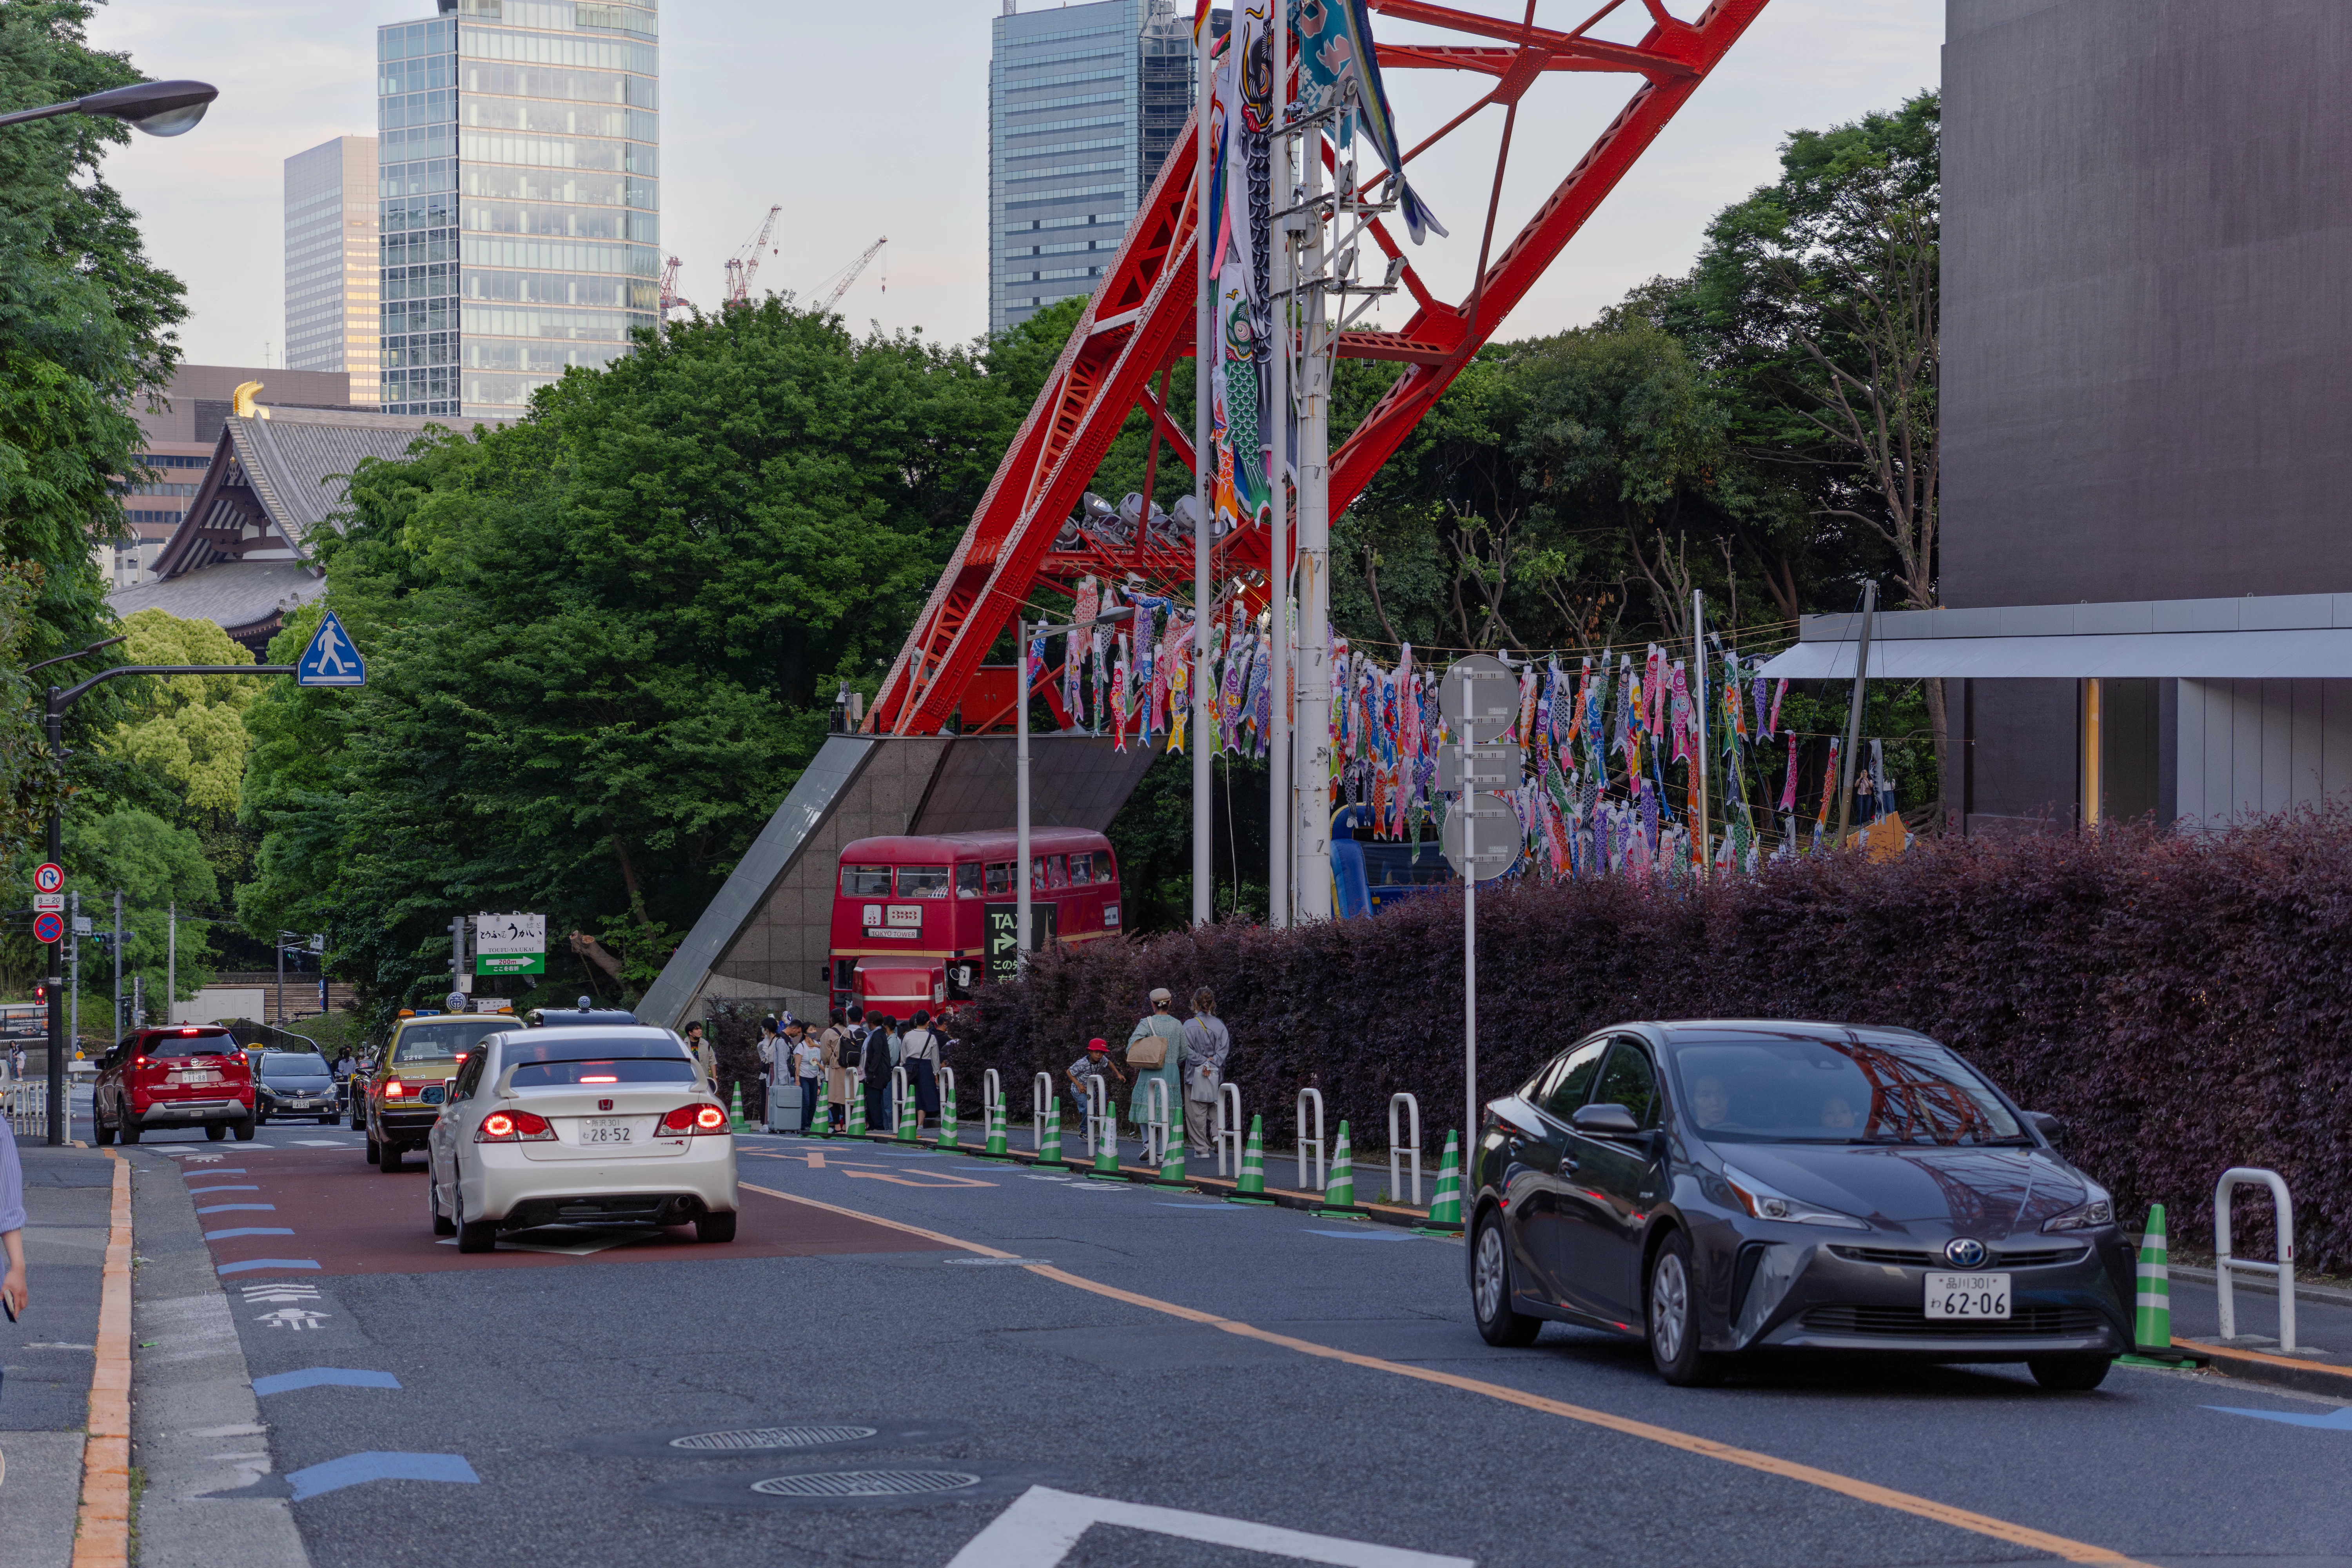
<point x="1149" y="1348"/>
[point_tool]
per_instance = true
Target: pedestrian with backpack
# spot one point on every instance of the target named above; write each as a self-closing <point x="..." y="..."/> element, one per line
<point x="874" y="1065"/>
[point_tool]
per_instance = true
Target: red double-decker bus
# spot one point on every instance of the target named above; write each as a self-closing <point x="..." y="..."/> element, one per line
<point x="918" y="921"/>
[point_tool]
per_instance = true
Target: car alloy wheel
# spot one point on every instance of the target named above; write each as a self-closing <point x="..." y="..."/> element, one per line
<point x="1672" y="1311"/>
<point x="1490" y="1289"/>
<point x="473" y="1236"/>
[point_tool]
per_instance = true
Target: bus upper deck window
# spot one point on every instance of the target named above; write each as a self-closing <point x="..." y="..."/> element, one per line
<point x="922" y="881"/>
<point x="968" y="879"/>
<point x="1082" y="870"/>
<point x="999" y="877"/>
<point x="866" y="881"/>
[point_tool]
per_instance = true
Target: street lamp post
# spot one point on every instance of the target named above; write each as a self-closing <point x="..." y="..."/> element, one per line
<point x="1021" y="769"/>
<point x="158" y="108"/>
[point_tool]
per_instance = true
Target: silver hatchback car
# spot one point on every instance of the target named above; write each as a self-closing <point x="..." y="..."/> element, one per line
<point x="599" y="1124"/>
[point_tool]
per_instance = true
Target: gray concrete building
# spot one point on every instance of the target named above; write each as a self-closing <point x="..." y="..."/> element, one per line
<point x="2147" y="345"/>
<point x="332" y="266"/>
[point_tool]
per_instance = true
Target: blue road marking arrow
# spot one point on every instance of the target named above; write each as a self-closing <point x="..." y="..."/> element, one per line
<point x="330" y="660"/>
<point x="266" y="1263"/>
<point x="225" y="1208"/>
<point x="353" y="1470"/>
<point x="2335" y="1421"/>
<point x="247" y="1230"/>
<point x="324" y="1377"/>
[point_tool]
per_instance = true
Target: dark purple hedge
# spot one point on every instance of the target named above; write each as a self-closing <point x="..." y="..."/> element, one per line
<point x="2183" y="1001"/>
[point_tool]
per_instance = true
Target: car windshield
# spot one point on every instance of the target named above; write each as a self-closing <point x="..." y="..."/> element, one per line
<point x="284" y="1064"/>
<point x="424" y="1043"/>
<point x="1800" y="1090"/>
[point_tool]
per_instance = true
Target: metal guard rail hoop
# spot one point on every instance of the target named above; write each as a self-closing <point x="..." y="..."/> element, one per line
<point x="1228" y="1136"/>
<point x="2223" y="1262"/>
<point x="1042" y="1104"/>
<point x="1304" y="1141"/>
<point x="1098" y="1100"/>
<point x="1155" y="1128"/>
<point x="1411" y="1151"/>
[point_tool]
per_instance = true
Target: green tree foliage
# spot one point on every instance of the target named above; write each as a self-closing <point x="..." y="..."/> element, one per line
<point x="156" y="864"/>
<point x="84" y="323"/>
<point x="602" y="643"/>
<point x="186" y="730"/>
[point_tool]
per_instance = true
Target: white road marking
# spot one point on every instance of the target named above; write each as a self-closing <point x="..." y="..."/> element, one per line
<point x="1043" y="1525"/>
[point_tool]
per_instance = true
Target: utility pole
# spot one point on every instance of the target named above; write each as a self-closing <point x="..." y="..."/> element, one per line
<point x="1854" y="712"/>
<point x="172" y="963"/>
<point x="280" y="1019"/>
<point x="119" y="1030"/>
<point x="1311" y="822"/>
<point x="1698" y="717"/>
<point x="73" y="951"/>
<point x="1282" y="811"/>
<point x="1208" y="351"/>
<point x="1020" y="779"/>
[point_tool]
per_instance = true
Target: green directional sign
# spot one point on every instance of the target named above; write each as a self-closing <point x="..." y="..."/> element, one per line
<point x="509" y="964"/>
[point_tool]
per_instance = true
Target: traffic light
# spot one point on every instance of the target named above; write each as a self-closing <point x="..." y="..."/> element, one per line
<point x="40" y="992"/>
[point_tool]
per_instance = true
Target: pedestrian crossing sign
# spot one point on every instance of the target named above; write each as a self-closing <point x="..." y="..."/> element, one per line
<point x="330" y="660"/>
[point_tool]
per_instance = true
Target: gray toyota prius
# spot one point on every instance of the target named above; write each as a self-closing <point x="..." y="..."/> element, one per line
<point x="1729" y="1189"/>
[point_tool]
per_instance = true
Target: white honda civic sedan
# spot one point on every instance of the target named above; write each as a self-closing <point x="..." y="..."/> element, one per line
<point x="598" y="1125"/>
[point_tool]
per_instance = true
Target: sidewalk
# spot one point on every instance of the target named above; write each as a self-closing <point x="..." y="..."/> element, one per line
<point x="2323" y="1324"/>
<point x="47" y="1357"/>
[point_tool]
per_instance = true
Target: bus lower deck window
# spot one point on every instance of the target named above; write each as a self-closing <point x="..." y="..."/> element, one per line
<point x="999" y="877"/>
<point x="968" y="879"/>
<point x="1082" y="870"/>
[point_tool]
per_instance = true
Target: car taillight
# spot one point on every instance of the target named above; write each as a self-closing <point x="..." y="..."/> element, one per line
<point x="394" y="1089"/>
<point x="698" y="1120"/>
<point x="514" y="1127"/>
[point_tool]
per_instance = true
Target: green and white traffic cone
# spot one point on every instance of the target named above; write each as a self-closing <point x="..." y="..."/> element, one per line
<point x="1340" y="1191"/>
<point x="1171" y="1169"/>
<point x="994" y="1147"/>
<point x="1445" y="1208"/>
<point x="735" y="1122"/>
<point x="1049" y="1152"/>
<point x="1107" y="1146"/>
<point x="948" y="1136"/>
<point x="910" y="1117"/>
<point x="857" y="1110"/>
<point x="2152" y="1312"/>
<point x="1250" y="1187"/>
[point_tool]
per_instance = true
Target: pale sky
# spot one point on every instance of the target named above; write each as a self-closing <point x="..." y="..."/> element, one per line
<point x="870" y="119"/>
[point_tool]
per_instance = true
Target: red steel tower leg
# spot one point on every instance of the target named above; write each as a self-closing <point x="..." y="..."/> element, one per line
<point x="1142" y="316"/>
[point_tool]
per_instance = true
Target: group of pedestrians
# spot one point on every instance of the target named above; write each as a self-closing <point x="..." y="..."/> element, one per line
<point x="1188" y="1061"/>
<point x="855" y="1052"/>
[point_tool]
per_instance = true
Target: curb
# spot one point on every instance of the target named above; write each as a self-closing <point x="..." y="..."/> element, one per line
<point x="102" y="1529"/>
<point x="2254" y="1366"/>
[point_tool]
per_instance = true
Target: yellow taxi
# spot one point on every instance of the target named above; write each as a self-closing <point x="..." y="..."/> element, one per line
<point x="411" y="1079"/>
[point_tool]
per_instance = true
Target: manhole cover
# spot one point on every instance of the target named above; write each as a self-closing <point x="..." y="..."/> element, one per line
<point x="771" y="1437"/>
<point x="866" y="1483"/>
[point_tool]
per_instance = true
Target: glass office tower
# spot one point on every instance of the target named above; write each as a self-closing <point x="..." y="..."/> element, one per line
<point x="1084" y="103"/>
<point x="519" y="148"/>
<point x="334" y="262"/>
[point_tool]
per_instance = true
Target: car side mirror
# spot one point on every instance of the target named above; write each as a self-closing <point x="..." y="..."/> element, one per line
<point x="1604" y="1122"/>
<point x="2052" y="1129"/>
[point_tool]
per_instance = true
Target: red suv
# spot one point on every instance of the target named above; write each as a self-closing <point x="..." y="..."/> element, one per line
<point x="194" y="1075"/>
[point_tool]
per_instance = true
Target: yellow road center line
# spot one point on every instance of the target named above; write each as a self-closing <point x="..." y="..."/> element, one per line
<point x="1787" y="1469"/>
<point x="102" y="1529"/>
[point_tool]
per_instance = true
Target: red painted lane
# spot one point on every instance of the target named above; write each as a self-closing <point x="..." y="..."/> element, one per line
<point x="350" y="1218"/>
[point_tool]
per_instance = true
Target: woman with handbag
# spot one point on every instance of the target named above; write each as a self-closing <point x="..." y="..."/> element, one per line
<point x="1154" y="1054"/>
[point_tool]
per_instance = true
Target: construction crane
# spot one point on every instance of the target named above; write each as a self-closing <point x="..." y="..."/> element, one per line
<point x="832" y="298"/>
<point x="670" y="297"/>
<point x="743" y="267"/>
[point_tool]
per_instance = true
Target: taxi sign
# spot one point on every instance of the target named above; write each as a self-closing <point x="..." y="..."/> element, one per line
<point x="330" y="660"/>
<point x="48" y="877"/>
<point x="48" y="926"/>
